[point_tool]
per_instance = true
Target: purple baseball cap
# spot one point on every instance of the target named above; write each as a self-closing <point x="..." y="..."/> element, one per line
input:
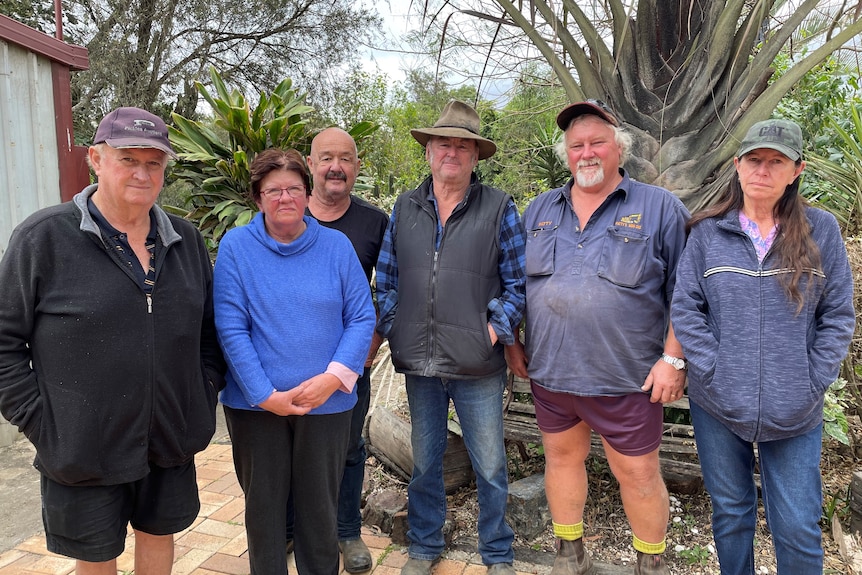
<point x="134" y="128"/>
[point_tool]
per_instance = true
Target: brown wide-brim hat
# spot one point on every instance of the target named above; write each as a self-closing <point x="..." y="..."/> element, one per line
<point x="458" y="120"/>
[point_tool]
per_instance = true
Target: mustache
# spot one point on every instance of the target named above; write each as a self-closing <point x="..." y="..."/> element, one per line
<point x="588" y="163"/>
<point x="333" y="175"/>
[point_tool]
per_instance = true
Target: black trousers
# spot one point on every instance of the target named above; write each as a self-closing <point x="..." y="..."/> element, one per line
<point x="275" y="456"/>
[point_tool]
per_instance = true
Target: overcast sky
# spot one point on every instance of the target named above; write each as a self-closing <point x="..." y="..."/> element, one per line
<point x="392" y="62"/>
<point x="395" y="25"/>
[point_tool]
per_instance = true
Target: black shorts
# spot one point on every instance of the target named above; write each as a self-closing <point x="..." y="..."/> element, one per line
<point x="90" y="522"/>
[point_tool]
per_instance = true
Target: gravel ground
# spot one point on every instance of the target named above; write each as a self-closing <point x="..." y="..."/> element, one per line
<point x="608" y="537"/>
<point x="691" y="548"/>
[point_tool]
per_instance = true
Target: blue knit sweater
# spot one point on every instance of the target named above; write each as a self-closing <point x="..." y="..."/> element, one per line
<point x="284" y="311"/>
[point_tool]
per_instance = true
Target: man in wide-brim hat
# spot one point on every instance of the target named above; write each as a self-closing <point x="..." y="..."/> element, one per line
<point x="458" y="120"/>
<point x="451" y="292"/>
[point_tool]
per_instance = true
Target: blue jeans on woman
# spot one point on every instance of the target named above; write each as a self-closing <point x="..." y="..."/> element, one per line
<point x="792" y="496"/>
<point x="479" y="404"/>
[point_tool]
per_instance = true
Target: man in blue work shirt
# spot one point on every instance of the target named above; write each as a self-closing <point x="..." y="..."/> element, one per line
<point x="601" y="256"/>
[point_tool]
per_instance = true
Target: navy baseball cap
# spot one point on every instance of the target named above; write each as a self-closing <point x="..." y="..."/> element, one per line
<point x="594" y="107"/>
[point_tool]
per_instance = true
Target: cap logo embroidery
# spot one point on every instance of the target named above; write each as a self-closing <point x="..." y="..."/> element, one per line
<point x="772" y="131"/>
<point x="143" y="126"/>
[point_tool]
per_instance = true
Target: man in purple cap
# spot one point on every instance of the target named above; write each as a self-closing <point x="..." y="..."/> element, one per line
<point x="109" y="362"/>
<point x="600" y="354"/>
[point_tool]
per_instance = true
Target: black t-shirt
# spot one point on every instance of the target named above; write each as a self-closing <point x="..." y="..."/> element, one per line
<point x="364" y="224"/>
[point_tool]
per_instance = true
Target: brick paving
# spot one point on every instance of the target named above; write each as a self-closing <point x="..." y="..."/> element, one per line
<point x="215" y="544"/>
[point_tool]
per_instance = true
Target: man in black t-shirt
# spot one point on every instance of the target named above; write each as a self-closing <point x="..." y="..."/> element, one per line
<point x="334" y="165"/>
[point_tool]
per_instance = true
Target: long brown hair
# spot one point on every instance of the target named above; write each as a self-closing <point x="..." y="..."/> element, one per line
<point x="794" y="246"/>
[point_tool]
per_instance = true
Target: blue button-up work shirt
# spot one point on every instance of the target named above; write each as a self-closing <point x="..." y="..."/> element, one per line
<point x="598" y="297"/>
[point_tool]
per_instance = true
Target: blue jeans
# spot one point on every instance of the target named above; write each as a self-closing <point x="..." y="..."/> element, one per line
<point x="479" y="404"/>
<point x="350" y="493"/>
<point x="792" y="496"/>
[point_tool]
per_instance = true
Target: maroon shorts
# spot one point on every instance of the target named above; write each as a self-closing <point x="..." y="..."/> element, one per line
<point x="629" y="423"/>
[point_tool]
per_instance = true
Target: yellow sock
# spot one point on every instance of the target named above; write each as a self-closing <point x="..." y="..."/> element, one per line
<point x="569" y="532"/>
<point x="649" y="548"/>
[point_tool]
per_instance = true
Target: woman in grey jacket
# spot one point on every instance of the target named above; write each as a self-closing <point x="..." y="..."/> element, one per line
<point x="764" y="312"/>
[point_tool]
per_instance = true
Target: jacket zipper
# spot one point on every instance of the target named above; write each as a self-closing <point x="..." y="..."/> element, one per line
<point x="432" y="331"/>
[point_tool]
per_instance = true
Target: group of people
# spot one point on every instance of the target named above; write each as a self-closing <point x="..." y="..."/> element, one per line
<point x="112" y="356"/>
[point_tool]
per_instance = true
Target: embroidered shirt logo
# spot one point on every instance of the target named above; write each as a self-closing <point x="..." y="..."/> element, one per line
<point x="632" y="221"/>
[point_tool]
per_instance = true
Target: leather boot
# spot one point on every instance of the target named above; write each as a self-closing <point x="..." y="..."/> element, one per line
<point x="357" y="558"/>
<point x="650" y="564"/>
<point x="418" y="566"/>
<point x="572" y="559"/>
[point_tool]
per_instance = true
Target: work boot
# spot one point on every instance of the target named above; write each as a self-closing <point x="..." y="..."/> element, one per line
<point x="501" y="569"/>
<point x="357" y="557"/>
<point x="650" y="564"/>
<point x="572" y="559"/>
<point x="418" y="567"/>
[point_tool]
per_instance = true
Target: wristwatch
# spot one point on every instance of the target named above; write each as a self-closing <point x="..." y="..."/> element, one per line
<point x="678" y="363"/>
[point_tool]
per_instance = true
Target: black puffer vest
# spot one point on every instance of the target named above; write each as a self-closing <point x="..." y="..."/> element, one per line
<point x="440" y="327"/>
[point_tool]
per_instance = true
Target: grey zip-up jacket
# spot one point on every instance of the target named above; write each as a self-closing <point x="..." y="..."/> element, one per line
<point x="754" y="363"/>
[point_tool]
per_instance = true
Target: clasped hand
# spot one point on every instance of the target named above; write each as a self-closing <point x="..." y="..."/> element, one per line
<point x="311" y="393"/>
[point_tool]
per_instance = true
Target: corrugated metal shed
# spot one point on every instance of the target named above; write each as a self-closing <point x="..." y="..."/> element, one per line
<point x="36" y="140"/>
<point x="29" y="173"/>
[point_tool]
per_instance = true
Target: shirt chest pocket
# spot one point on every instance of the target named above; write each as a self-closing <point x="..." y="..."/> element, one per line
<point x="624" y="256"/>
<point x="540" y="250"/>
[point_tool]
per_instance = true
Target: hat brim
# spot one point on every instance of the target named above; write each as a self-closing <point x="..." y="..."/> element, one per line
<point x="569" y="113"/>
<point x="487" y="148"/>
<point x="786" y="150"/>
<point x="140" y="143"/>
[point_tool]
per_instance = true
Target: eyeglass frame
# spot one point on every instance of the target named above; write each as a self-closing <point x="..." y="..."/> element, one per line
<point x="298" y="192"/>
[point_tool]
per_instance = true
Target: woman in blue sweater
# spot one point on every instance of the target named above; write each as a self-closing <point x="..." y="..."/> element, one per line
<point x="763" y="308"/>
<point x="294" y="318"/>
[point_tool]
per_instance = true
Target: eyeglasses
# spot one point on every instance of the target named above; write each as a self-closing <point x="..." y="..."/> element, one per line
<point x="293" y="192"/>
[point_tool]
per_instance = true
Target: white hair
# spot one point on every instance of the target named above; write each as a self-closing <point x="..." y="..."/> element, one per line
<point x="622" y="138"/>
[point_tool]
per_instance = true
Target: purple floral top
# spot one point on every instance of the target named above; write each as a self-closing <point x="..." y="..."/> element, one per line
<point x="761" y="244"/>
